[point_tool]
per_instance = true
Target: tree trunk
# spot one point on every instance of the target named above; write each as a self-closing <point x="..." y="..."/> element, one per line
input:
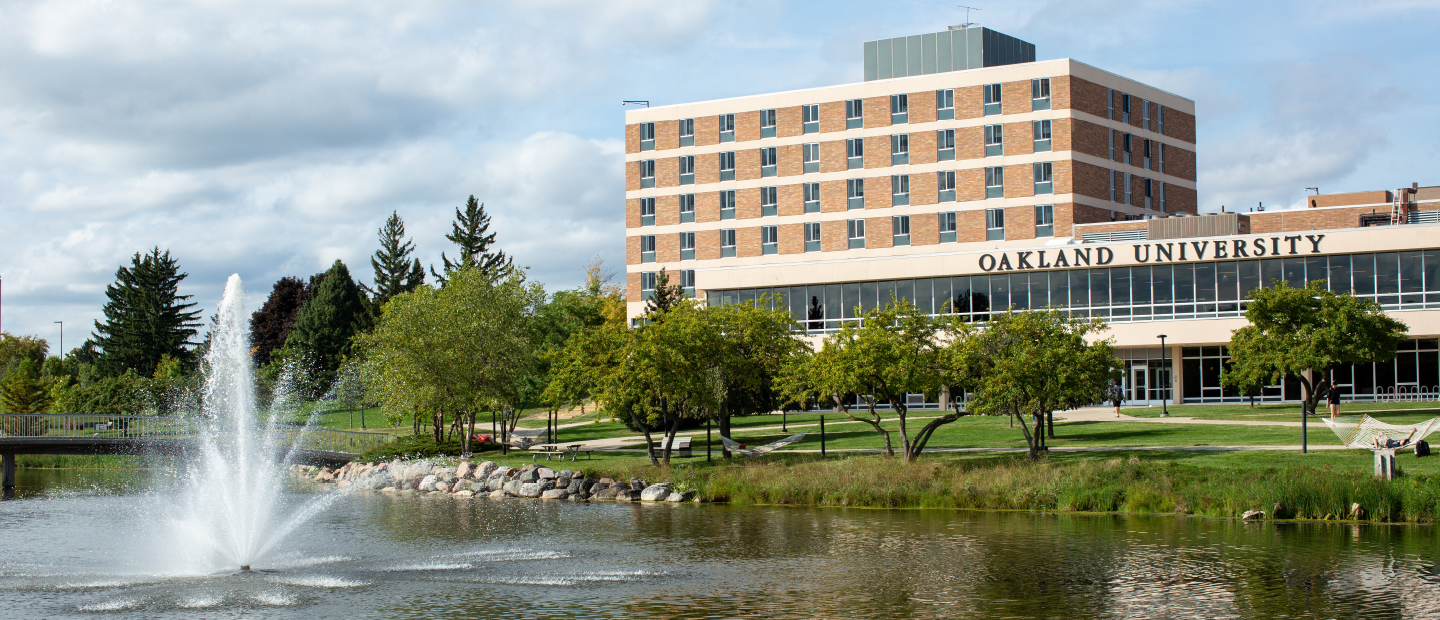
<point x="437" y="419"/>
<point x="905" y="443"/>
<point x="724" y="432"/>
<point x="670" y="440"/>
<point x="1050" y="424"/>
<point x="875" y="421"/>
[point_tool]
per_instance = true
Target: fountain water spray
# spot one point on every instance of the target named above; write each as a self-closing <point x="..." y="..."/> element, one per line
<point x="232" y="508"/>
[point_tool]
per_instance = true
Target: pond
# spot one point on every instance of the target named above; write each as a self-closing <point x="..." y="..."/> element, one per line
<point x="75" y="545"/>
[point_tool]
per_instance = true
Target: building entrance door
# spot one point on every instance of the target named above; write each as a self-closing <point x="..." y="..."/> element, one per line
<point x="1159" y="385"/>
<point x="1139" y="383"/>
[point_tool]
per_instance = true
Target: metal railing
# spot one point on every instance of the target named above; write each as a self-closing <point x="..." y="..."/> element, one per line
<point x="72" y="428"/>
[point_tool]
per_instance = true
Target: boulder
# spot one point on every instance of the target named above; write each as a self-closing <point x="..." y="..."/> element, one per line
<point x="655" y="493"/>
<point x="426" y="484"/>
<point x="606" y="481"/>
<point x="573" y="487"/>
<point x="464" y="470"/>
<point x="637" y="484"/>
<point x="465" y="493"/>
<point x="562" y="481"/>
<point x="555" y="494"/>
<point x="676" y="496"/>
<point x="497" y="495"/>
<point x="530" y="489"/>
<point x="565" y="473"/>
<point x="479" y="487"/>
<point x="545" y="484"/>
<point x="324" y="476"/>
<point x="498" y="472"/>
<point x="628" y="495"/>
<point x="495" y="484"/>
<point x="606" y="493"/>
<point x="513" y="487"/>
<point x="545" y="472"/>
<point x="484" y="470"/>
<point x="446" y="475"/>
<point x="528" y="475"/>
<point x="1251" y="515"/>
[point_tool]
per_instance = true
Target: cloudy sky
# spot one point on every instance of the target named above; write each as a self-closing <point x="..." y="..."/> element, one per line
<point x="269" y="138"/>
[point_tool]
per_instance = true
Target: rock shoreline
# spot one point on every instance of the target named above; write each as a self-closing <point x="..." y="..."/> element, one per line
<point x="490" y="480"/>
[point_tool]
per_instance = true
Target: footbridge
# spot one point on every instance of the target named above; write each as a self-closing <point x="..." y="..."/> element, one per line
<point x="157" y="435"/>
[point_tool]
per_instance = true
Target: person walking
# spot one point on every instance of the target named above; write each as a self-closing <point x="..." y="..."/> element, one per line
<point x="1332" y="398"/>
<point x="1116" y="395"/>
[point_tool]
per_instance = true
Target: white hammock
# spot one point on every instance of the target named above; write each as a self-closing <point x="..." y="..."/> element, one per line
<point x="757" y="451"/>
<point x="1361" y="432"/>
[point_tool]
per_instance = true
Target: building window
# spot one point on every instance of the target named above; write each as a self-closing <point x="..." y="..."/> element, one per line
<point x="769" y="239"/>
<point x="687" y="246"/>
<point x="687" y="281"/>
<point x="1161" y="192"/>
<point x="900" y="190"/>
<point x="810" y="118"/>
<point x="1044" y="220"/>
<point x="647" y="136"/>
<point x="945" y="182"/>
<point x="855" y="193"/>
<point x="1161" y="130"/>
<point x="994" y="224"/>
<point x="647" y="173"/>
<point x="856" y="230"/>
<point x="992" y="99"/>
<point x="647" y="285"/>
<point x="947" y="227"/>
<point x="1129" y="194"/>
<point x="1111" y="175"/>
<point x="727" y="166"/>
<point x="810" y="153"/>
<point x="647" y="211"/>
<point x="812" y="197"/>
<point x="900" y="227"/>
<point x="899" y="109"/>
<point x="687" y="132"/>
<point x="1043" y="181"/>
<point x="994" y="140"/>
<point x="1110" y="103"/>
<point x="854" y="153"/>
<point x="727" y="127"/>
<point x="1125" y="109"/>
<point x="767" y="162"/>
<point x="767" y="123"/>
<point x="995" y="182"/>
<point x="812" y="236"/>
<point x="899" y="149"/>
<point x="945" y="145"/>
<point x="727" y="243"/>
<point x="1041" y="129"/>
<point x="1112" y="145"/>
<point x="1160" y="154"/>
<point x="854" y="114"/>
<point x="1040" y="94"/>
<point x="1145" y="115"/>
<point x="727" y="205"/>
<point x="1149" y="192"/>
<point x="1146" y="146"/>
<point x="1125" y="146"/>
<point x="647" y="248"/>
<point x="769" y="201"/>
<point x="687" y="208"/>
<point x="687" y="170"/>
<point x="945" y="104"/>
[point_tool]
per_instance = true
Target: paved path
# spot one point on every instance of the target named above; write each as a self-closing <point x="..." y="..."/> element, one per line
<point x="1107" y="414"/>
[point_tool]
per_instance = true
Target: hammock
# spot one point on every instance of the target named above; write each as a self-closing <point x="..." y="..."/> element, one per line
<point x="1360" y="432"/>
<point x="758" y="451"/>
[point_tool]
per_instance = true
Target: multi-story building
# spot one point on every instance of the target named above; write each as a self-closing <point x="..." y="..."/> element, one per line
<point x="967" y="177"/>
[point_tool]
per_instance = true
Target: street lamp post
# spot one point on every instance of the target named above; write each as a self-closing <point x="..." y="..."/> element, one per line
<point x="62" y="343"/>
<point x="1165" y="389"/>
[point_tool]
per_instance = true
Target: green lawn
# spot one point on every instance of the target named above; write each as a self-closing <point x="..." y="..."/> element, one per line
<point x="1395" y="413"/>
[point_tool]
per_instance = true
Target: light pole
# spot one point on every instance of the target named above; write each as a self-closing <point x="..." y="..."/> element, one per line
<point x="1164" y="389"/>
<point x="62" y="343"/>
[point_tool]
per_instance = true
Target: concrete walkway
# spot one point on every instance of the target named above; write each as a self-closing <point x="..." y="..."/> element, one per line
<point x="1107" y="414"/>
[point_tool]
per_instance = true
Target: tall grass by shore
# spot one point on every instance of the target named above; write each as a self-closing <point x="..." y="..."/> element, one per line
<point x="1120" y="484"/>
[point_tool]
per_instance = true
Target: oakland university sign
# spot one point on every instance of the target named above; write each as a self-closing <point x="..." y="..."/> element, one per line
<point x="1167" y="252"/>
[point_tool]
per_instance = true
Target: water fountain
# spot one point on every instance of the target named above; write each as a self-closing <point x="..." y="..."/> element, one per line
<point x="229" y="511"/>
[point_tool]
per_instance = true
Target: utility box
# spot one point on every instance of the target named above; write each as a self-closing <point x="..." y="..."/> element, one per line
<point x="1385" y="463"/>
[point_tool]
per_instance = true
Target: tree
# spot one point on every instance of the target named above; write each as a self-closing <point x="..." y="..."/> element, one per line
<point x="665" y="297"/>
<point x="22" y="391"/>
<point x="1037" y="362"/>
<point x="16" y="349"/>
<point x="568" y="348"/>
<point x="271" y="324"/>
<point x="325" y="325"/>
<point x="395" y="271"/>
<point x="469" y="233"/>
<point x="451" y="351"/>
<point x="146" y="317"/>
<point x="1306" y="332"/>
<point x="753" y="343"/>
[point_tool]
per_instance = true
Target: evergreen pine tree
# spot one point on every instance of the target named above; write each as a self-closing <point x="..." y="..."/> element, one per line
<point x="469" y="233"/>
<point x="145" y="317"/>
<point x="326" y="323"/>
<point x="271" y="324"/>
<point x="395" y="271"/>
<point x="665" y="297"/>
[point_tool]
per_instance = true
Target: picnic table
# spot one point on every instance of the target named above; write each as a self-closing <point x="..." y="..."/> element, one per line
<point x="547" y="449"/>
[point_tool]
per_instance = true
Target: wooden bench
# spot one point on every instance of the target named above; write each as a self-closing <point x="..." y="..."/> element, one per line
<point x="575" y="449"/>
<point x="548" y="450"/>
<point x="680" y="448"/>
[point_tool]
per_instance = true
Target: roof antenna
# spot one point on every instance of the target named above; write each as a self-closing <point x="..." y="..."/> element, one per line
<point x="967" y="23"/>
<point x="635" y="102"/>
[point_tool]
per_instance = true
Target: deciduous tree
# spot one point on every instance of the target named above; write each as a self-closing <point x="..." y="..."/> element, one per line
<point x="271" y="324"/>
